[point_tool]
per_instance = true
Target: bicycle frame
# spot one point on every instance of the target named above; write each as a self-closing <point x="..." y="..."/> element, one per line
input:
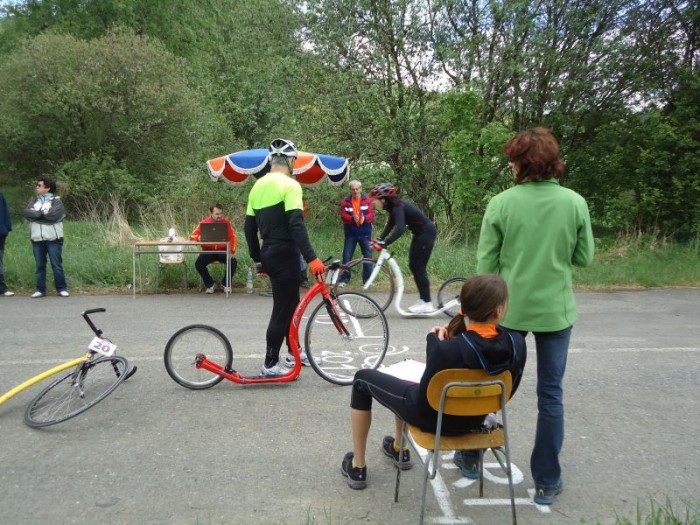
<point x="388" y="257"/>
<point x="60" y="368"/>
<point x="38" y="378"/>
<point x="319" y="287"/>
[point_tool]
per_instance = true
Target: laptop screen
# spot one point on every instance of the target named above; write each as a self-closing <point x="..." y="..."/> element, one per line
<point x="213" y="232"/>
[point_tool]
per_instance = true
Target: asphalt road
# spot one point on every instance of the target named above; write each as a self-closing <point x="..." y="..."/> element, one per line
<point x="155" y="452"/>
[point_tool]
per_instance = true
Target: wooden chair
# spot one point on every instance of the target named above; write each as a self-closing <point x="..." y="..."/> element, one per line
<point x="463" y="392"/>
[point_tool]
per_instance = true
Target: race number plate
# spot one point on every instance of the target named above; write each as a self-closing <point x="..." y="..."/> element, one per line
<point x="102" y="346"/>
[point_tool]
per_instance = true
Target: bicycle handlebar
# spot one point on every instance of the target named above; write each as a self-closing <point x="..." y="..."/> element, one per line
<point x="93" y="311"/>
<point x="333" y="265"/>
<point x="86" y="316"/>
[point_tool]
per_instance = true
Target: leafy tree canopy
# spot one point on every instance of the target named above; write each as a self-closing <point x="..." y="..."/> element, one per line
<point x="120" y="97"/>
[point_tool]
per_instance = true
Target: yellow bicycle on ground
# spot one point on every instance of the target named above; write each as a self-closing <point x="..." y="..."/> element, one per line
<point x="92" y="377"/>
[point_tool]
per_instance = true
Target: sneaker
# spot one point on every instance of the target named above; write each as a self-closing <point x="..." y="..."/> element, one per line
<point x="64" y="293"/>
<point x="38" y="294"/>
<point x="470" y="468"/>
<point x="305" y="284"/>
<point x="227" y="289"/>
<point x="289" y="360"/>
<point x="388" y="449"/>
<point x="342" y="285"/>
<point x="8" y="293"/>
<point x="421" y="307"/>
<point x="276" y="370"/>
<point x="548" y="496"/>
<point x="210" y="289"/>
<point x="356" y="476"/>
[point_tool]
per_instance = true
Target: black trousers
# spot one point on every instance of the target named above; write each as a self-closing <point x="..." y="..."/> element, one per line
<point x="281" y="263"/>
<point x="205" y="259"/>
<point x="418" y="256"/>
<point x="395" y="394"/>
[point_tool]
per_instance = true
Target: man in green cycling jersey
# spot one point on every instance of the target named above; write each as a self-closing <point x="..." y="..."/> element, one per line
<point x="275" y="213"/>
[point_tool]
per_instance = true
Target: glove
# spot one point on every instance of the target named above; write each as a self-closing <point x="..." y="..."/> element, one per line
<point x="378" y="245"/>
<point x="259" y="269"/>
<point x="317" y="267"/>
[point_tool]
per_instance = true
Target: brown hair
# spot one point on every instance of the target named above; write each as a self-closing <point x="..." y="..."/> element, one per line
<point x="216" y="206"/>
<point x="535" y="153"/>
<point x="479" y="297"/>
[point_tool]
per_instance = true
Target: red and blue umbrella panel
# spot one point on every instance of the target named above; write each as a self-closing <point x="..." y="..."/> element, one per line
<point x="309" y="168"/>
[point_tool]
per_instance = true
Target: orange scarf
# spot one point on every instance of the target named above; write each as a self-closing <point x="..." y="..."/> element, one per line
<point x="485" y="330"/>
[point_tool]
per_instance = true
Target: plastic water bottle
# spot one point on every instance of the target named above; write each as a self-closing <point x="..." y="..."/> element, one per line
<point x="249" y="281"/>
<point x="171" y="234"/>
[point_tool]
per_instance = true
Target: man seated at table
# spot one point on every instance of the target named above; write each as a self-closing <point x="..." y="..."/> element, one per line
<point x="205" y="259"/>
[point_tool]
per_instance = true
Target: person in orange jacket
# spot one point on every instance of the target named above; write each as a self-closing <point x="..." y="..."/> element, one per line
<point x="205" y="259"/>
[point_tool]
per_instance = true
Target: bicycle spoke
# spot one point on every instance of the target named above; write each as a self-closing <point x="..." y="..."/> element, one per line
<point x="182" y="349"/>
<point x="448" y="294"/>
<point x="381" y="289"/>
<point x="336" y="355"/>
<point x="76" y="391"/>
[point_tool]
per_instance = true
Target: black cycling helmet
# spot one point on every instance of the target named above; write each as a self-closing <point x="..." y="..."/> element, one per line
<point x="383" y="189"/>
<point x="283" y="148"/>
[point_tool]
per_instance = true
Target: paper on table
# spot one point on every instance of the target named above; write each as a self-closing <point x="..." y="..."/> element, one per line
<point x="408" y="370"/>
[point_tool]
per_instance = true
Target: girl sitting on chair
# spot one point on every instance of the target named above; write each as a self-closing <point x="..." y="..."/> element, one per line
<point x="473" y="339"/>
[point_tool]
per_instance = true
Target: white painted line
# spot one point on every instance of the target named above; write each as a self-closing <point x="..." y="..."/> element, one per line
<point x="636" y="349"/>
<point x="454" y="520"/>
<point x="484" y="502"/>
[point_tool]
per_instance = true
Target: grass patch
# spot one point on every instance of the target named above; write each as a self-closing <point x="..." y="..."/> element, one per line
<point x="662" y="514"/>
<point x="97" y="258"/>
<point x="641" y="263"/>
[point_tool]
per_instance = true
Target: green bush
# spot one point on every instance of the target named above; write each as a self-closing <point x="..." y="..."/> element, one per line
<point x="113" y="115"/>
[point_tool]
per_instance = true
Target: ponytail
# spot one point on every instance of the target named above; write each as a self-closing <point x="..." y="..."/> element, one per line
<point x="456" y="325"/>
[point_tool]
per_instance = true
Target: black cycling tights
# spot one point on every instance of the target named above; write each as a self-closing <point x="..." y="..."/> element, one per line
<point x="285" y="297"/>
<point x="418" y="256"/>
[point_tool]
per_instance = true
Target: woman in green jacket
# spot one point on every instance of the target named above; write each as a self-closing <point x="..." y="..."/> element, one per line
<point x="531" y="235"/>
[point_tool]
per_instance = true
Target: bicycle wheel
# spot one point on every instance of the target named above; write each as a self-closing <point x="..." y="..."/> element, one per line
<point x="85" y="386"/>
<point x="449" y="291"/>
<point x="182" y="349"/>
<point x="344" y="337"/>
<point x="382" y="288"/>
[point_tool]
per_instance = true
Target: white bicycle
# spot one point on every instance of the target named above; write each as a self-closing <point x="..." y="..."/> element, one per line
<point x="386" y="284"/>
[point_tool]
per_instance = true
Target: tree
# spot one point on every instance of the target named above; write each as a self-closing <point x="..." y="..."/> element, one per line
<point x="596" y="72"/>
<point x="121" y="100"/>
<point x="243" y="55"/>
<point x="379" y="106"/>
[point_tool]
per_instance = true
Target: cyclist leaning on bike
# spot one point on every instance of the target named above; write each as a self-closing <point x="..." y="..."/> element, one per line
<point x="404" y="214"/>
<point x="275" y="211"/>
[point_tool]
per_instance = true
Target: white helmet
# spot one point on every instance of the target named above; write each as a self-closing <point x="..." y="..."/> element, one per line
<point x="283" y="148"/>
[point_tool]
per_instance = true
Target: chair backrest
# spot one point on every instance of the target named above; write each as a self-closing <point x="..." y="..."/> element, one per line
<point x="464" y="399"/>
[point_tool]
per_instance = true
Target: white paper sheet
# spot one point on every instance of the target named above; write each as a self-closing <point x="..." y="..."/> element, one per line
<point x="408" y="370"/>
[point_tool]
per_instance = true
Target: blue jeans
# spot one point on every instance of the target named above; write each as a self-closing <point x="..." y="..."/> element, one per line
<point x="3" y="286"/>
<point x="349" y="251"/>
<point x="552" y="352"/>
<point x="54" y="250"/>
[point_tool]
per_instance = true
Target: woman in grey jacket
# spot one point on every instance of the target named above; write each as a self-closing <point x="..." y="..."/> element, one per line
<point x="46" y="214"/>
